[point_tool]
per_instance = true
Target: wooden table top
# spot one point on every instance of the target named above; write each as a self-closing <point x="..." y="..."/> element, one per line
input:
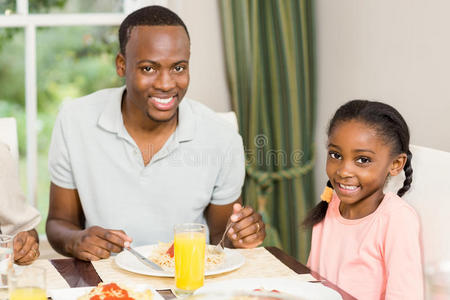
<point x="80" y="273"/>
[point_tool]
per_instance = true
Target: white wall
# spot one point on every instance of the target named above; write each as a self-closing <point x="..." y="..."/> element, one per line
<point x="394" y="51"/>
<point x="208" y="73"/>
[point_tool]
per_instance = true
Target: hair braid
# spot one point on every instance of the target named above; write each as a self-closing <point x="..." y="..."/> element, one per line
<point x="408" y="174"/>
<point x="317" y="214"/>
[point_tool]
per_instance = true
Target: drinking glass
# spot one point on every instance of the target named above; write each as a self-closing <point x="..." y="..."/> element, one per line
<point x="189" y="246"/>
<point x="6" y="257"/>
<point x="28" y="284"/>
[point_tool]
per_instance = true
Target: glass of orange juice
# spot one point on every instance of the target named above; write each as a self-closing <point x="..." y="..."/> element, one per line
<point x="189" y="246"/>
<point x="27" y="284"/>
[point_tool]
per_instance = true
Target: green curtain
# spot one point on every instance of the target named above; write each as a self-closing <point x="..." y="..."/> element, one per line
<point x="269" y="56"/>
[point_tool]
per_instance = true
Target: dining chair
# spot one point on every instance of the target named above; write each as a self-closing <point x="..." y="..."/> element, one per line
<point x="230" y="117"/>
<point x="8" y="135"/>
<point x="430" y="196"/>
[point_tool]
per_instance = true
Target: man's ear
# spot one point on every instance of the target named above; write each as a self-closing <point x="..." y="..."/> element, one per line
<point x="397" y="164"/>
<point x="120" y="65"/>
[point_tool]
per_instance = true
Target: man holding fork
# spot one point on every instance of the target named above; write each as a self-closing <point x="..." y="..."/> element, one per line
<point x="129" y="163"/>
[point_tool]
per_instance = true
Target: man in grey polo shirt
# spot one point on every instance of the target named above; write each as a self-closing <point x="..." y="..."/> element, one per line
<point x="129" y="163"/>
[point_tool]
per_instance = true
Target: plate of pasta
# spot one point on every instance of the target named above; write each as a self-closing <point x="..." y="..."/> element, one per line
<point x="161" y="254"/>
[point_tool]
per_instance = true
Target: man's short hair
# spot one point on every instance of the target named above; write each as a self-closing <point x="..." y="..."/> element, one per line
<point x="153" y="15"/>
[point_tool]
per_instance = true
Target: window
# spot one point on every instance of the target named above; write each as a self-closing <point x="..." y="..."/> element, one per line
<point x="52" y="50"/>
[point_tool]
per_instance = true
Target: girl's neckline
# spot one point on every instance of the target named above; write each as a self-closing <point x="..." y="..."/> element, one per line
<point x="343" y="220"/>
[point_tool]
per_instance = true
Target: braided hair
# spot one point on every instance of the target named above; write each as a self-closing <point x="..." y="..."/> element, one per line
<point x="153" y="15"/>
<point x="389" y="125"/>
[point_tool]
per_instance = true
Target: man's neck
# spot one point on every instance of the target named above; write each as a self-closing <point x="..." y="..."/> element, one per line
<point x="149" y="135"/>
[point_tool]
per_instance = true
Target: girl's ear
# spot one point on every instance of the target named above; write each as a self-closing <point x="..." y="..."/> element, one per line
<point x="120" y="65"/>
<point x="397" y="164"/>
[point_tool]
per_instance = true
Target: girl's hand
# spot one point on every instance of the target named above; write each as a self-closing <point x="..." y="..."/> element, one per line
<point x="248" y="230"/>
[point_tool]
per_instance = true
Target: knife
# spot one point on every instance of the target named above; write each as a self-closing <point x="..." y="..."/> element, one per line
<point x="144" y="260"/>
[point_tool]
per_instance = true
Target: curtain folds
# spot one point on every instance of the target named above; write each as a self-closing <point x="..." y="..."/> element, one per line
<point x="269" y="56"/>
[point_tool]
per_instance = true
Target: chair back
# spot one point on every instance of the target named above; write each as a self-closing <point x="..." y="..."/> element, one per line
<point x="430" y="196"/>
<point x="230" y="117"/>
<point x="8" y="135"/>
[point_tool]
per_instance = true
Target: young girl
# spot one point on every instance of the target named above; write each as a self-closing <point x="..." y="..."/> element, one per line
<point x="364" y="241"/>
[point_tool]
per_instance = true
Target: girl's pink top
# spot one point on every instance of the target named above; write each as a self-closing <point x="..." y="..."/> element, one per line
<point x="375" y="257"/>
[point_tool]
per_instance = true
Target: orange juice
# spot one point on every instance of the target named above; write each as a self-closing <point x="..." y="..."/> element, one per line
<point x="189" y="260"/>
<point x="28" y="293"/>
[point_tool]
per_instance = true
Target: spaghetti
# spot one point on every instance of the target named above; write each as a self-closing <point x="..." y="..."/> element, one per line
<point x="161" y="256"/>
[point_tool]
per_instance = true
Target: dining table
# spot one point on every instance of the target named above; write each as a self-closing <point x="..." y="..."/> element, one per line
<point x="269" y="262"/>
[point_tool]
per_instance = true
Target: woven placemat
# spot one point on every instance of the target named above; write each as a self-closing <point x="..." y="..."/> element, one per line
<point x="54" y="279"/>
<point x="259" y="263"/>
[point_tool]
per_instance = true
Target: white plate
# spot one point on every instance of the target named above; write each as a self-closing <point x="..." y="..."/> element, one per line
<point x="129" y="262"/>
<point x="74" y="293"/>
<point x="301" y="289"/>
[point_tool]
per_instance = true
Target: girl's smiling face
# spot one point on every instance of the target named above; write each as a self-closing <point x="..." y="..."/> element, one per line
<point x="358" y="163"/>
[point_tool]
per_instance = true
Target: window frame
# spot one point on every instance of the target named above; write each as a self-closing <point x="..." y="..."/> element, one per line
<point x="30" y="22"/>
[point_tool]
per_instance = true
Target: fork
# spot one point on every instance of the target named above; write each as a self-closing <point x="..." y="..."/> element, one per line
<point x="219" y="248"/>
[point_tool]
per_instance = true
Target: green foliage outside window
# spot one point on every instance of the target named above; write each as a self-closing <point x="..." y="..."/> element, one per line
<point x="71" y="62"/>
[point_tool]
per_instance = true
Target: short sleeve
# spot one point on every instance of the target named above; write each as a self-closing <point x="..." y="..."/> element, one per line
<point x="230" y="180"/>
<point x="403" y="256"/>
<point x="59" y="164"/>
<point x="16" y="214"/>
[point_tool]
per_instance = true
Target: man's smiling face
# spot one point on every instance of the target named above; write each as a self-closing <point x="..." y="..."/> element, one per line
<point x="156" y="69"/>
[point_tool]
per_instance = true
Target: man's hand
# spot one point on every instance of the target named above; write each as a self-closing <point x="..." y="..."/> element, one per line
<point x="95" y="243"/>
<point x="26" y="247"/>
<point x="66" y="232"/>
<point x="248" y="230"/>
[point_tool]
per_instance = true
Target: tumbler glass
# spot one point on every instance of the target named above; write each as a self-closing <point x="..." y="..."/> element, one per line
<point x="6" y="257"/>
<point x="28" y="284"/>
<point x="189" y="246"/>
